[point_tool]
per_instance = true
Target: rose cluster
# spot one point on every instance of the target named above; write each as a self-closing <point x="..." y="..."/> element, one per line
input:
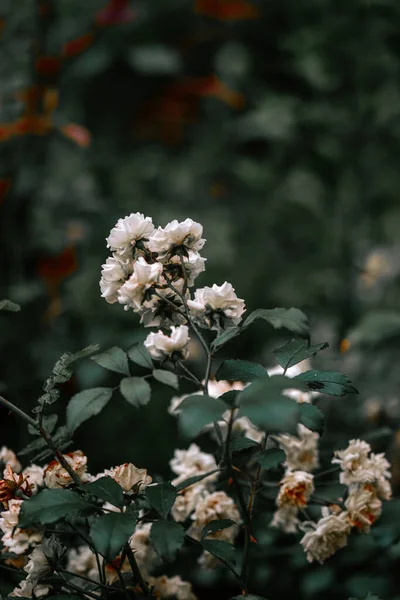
<point x="152" y="271"/>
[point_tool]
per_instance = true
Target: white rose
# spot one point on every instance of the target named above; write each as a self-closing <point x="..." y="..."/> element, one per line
<point x="216" y="306"/>
<point x="216" y="506"/>
<point x="55" y="476"/>
<point x="144" y="276"/>
<point x="296" y="489"/>
<point x="161" y="346"/>
<point x="286" y="519"/>
<point x="326" y="536"/>
<point x="192" y="462"/>
<point x="194" y="264"/>
<point x="34" y="475"/>
<point x="363" y="507"/>
<point x="167" y="240"/>
<point x="172" y="587"/>
<point x="113" y="275"/>
<point x="301" y="450"/>
<point x="26" y="589"/>
<point x="156" y="311"/>
<point x="128" y="231"/>
<point x="129" y="476"/>
<point x="38" y="565"/>
<point x="17" y="540"/>
<point x="8" y="457"/>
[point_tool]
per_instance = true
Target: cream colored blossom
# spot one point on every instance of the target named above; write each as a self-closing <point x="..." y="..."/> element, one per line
<point x="212" y="507"/>
<point x="38" y="565"/>
<point x="286" y="519"/>
<point x="145" y="554"/>
<point x="156" y="311"/>
<point x="175" y="236"/>
<point x="295" y="489"/>
<point x="187" y="500"/>
<point x="144" y="276"/>
<point x="193" y="461"/>
<point x="175" y="273"/>
<point x="34" y="475"/>
<point x="14" y="539"/>
<point x="128" y="476"/>
<point x="82" y="561"/>
<point x="363" y="506"/>
<point x="359" y="465"/>
<point x="8" y="457"/>
<point x="326" y="536"/>
<point x="217" y="306"/>
<point x="114" y="273"/>
<point x="55" y="476"/>
<point x="161" y="346"/>
<point x="128" y="231"/>
<point x="301" y="450"/>
<point x="172" y="587"/>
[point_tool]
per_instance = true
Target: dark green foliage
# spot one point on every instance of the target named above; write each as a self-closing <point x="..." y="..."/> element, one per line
<point x="109" y="533"/>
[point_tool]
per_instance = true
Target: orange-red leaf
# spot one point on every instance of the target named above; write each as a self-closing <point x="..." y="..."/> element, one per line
<point x="48" y="65"/>
<point x="55" y="268"/>
<point x="78" y="45"/>
<point x="5" y="185"/>
<point x="6" y="131"/>
<point x="78" y="134"/>
<point x="115" y="13"/>
<point x="226" y="10"/>
<point x="32" y="125"/>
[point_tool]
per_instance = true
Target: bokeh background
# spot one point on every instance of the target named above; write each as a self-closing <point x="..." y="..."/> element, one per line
<point x="276" y="124"/>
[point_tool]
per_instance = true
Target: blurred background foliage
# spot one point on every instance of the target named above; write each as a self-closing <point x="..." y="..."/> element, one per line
<point x="277" y="126"/>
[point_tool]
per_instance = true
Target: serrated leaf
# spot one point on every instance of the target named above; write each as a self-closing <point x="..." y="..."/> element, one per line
<point x="221" y="550"/>
<point x="161" y="497"/>
<point x="135" y="390"/>
<point x="140" y="355"/>
<point x="194" y="479"/>
<point x="295" y="352"/>
<point x="113" y="359"/>
<point x="197" y="411"/>
<point x="265" y="405"/>
<point x="10" y="306"/>
<point x="86" y="404"/>
<point x="217" y="525"/>
<point x="292" y="319"/>
<point x="107" y="489"/>
<point x="311" y="417"/>
<point x="49" y="506"/>
<point x="109" y="533"/>
<point x="224" y="337"/>
<point x="242" y="443"/>
<point x="271" y="458"/>
<point x="166" y="377"/>
<point x="167" y="537"/>
<point x="327" y="382"/>
<point x="239" y="370"/>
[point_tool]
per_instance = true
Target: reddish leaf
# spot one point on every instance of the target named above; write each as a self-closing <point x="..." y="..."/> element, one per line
<point x="48" y="65"/>
<point x="56" y="268"/>
<point x="5" y="185"/>
<point x="226" y="10"/>
<point x="115" y="13"/>
<point x="78" y="45"/>
<point x="78" y="134"/>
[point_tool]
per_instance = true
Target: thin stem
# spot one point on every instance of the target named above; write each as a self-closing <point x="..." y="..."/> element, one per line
<point x="93" y="581"/>
<point x="327" y="472"/>
<point x="75" y="588"/>
<point x="190" y="375"/>
<point x="45" y="435"/>
<point x="136" y="571"/>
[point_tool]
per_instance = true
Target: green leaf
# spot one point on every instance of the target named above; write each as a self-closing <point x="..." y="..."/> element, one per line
<point x="221" y="550"/>
<point x="10" y="306"/>
<point x="224" y="337"/>
<point x="231" y="398"/>
<point x="107" y="489"/>
<point x="239" y="370"/>
<point x="167" y="538"/>
<point x="166" y="377"/>
<point x="296" y="351"/>
<point x="113" y="359"/>
<point x="86" y="404"/>
<point x="242" y="443"/>
<point x="109" y="533"/>
<point x="292" y="319"/>
<point x="265" y="405"/>
<point x="311" y="417"/>
<point x="161" y="497"/>
<point x="50" y="506"/>
<point x="135" y="390"/>
<point x="194" y="479"/>
<point x="327" y="382"/>
<point x="197" y="411"/>
<point x="271" y="458"/>
<point x="140" y="355"/>
<point x="217" y="525"/>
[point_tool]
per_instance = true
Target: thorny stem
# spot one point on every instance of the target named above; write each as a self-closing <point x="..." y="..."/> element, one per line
<point x="136" y="571"/>
<point x="45" y="435"/>
<point x="242" y="502"/>
<point x="75" y="588"/>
